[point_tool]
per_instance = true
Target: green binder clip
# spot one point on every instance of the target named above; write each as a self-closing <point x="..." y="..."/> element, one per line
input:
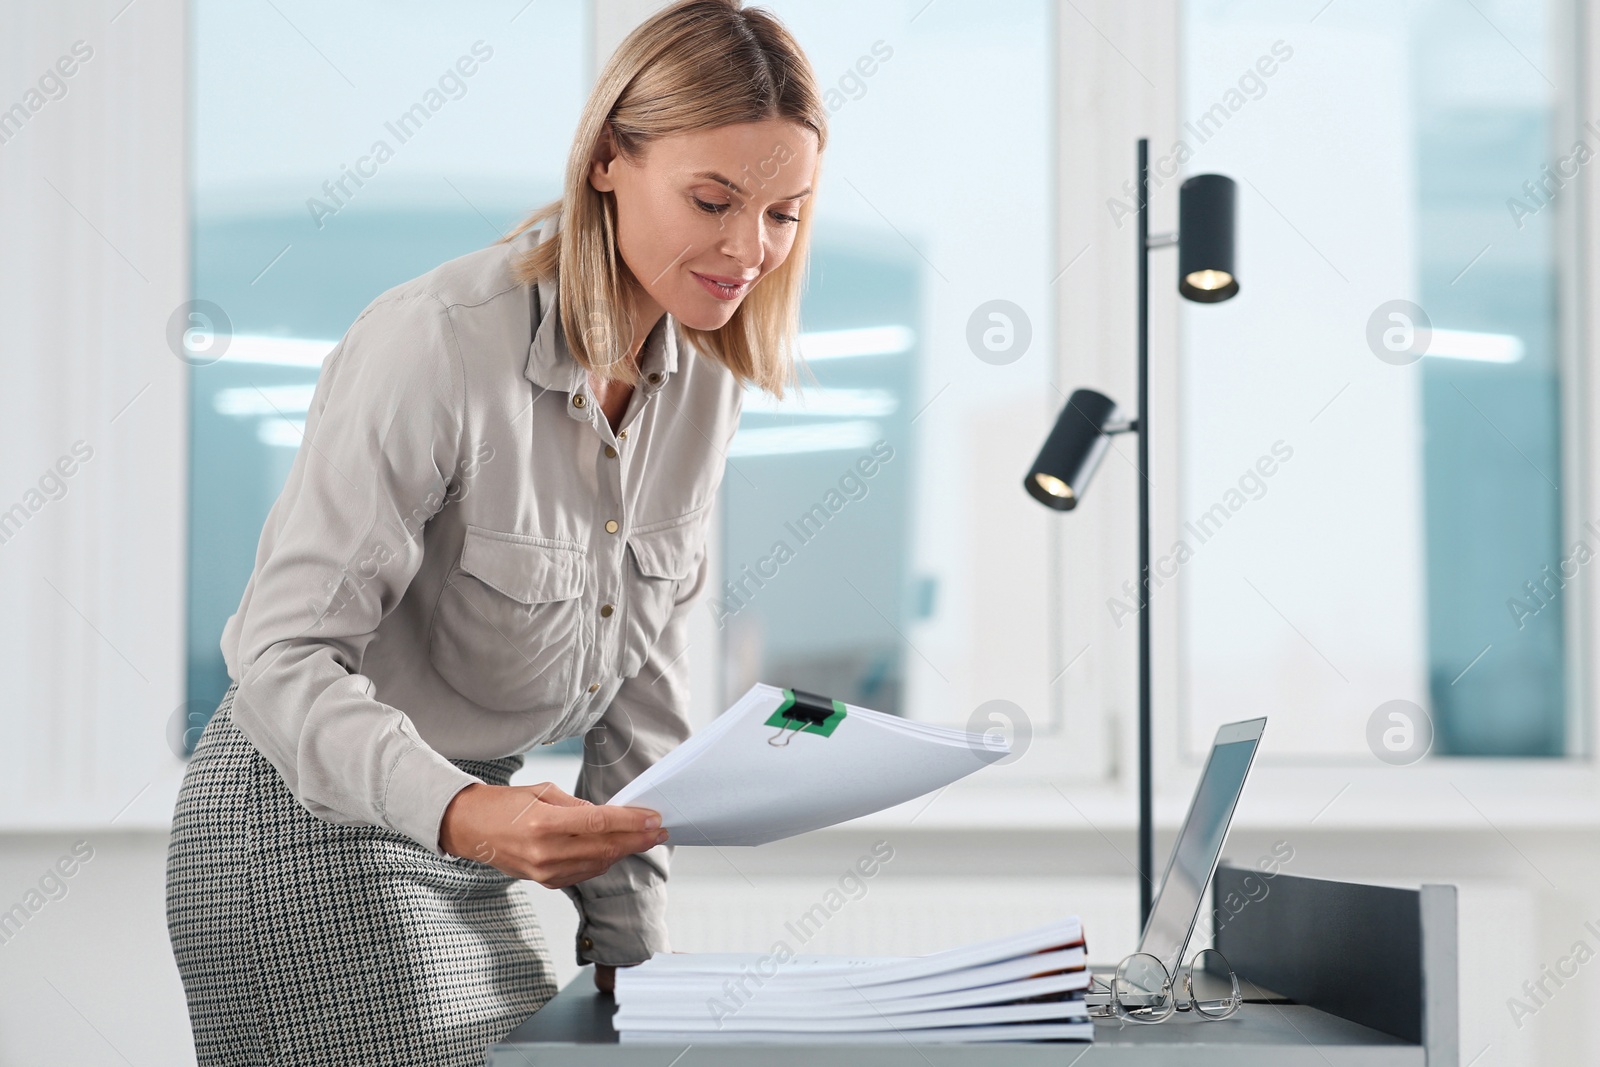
<point x="815" y="715"/>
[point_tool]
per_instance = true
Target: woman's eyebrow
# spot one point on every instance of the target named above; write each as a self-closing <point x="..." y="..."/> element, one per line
<point x="719" y="179"/>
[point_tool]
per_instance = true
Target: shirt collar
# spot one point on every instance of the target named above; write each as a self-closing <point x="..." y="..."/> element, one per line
<point x="550" y="362"/>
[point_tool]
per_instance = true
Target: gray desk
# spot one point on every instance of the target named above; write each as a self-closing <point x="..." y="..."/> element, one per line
<point x="575" y="1028"/>
<point x="1371" y="973"/>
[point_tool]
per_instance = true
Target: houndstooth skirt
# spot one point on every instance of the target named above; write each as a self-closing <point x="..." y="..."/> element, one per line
<point x="304" y="943"/>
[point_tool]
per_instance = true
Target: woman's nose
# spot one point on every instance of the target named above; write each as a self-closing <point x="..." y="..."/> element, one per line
<point x="743" y="241"/>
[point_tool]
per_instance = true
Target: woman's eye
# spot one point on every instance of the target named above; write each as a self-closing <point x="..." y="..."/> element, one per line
<point x="710" y="208"/>
<point x="787" y="220"/>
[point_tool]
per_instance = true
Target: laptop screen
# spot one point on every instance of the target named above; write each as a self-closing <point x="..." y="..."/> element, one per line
<point x="1194" y="858"/>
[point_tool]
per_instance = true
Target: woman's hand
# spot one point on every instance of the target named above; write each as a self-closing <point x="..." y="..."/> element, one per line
<point x="543" y="834"/>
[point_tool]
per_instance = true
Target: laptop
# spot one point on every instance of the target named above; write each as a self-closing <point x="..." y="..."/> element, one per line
<point x="1176" y="910"/>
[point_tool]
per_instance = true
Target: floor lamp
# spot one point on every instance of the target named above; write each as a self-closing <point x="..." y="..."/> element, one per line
<point x="1082" y="432"/>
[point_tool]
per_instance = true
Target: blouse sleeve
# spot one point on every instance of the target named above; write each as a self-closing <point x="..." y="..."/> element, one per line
<point x="622" y="914"/>
<point x="339" y="548"/>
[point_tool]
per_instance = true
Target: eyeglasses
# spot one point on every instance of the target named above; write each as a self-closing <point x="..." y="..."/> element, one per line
<point x="1141" y="990"/>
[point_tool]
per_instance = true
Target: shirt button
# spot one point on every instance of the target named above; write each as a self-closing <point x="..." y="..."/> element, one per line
<point x="655" y="376"/>
<point x="611" y="453"/>
<point x="611" y="526"/>
<point x="623" y="436"/>
<point x="594" y="687"/>
<point x="587" y="943"/>
<point x="606" y="610"/>
<point x="578" y="401"/>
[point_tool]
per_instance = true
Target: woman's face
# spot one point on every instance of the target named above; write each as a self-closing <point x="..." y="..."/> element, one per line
<point x="702" y="217"/>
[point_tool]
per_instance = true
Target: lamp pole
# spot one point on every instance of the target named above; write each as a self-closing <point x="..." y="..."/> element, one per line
<point x="1080" y="436"/>
<point x="1147" y="848"/>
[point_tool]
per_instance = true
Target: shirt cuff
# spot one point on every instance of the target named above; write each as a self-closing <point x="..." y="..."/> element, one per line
<point x="621" y="930"/>
<point x="421" y="785"/>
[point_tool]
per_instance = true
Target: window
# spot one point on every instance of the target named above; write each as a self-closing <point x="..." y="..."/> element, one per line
<point x="339" y="151"/>
<point x="878" y="545"/>
<point x="1396" y="352"/>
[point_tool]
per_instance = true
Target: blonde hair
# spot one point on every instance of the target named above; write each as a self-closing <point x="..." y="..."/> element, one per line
<point x="696" y="65"/>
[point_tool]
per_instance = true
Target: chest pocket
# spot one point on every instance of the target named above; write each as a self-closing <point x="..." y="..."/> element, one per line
<point x="661" y="565"/>
<point x="507" y="628"/>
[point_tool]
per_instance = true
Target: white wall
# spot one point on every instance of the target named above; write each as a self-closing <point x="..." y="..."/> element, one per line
<point x="93" y="262"/>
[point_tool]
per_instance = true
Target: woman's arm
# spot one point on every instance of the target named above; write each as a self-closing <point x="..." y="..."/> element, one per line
<point x="339" y="548"/>
<point x="622" y="913"/>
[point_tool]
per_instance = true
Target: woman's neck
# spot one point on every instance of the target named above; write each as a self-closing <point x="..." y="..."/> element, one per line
<point x="645" y="314"/>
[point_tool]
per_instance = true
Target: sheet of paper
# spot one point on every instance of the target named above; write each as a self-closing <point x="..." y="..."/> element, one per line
<point x="698" y="984"/>
<point x="834" y="970"/>
<point x="788" y="1005"/>
<point x="1037" y="946"/>
<point x="1027" y="985"/>
<point x="740" y="1019"/>
<point x="729" y="786"/>
<point x="1075" y="1031"/>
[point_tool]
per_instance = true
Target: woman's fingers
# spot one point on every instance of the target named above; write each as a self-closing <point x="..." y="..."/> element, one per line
<point x="551" y="837"/>
<point x="550" y="793"/>
<point x="558" y="871"/>
<point x="545" y="834"/>
<point x="563" y="875"/>
<point x="604" y="819"/>
<point x="606" y="847"/>
<point x="578" y="844"/>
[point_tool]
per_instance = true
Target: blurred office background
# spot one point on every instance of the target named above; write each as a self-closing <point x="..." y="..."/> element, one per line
<point x="1418" y="539"/>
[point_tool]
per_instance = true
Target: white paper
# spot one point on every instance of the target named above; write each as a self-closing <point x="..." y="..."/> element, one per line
<point x="775" y="1005"/>
<point x="1030" y="1011"/>
<point x="863" y="972"/>
<point x="1008" y="988"/>
<point x="694" y="987"/>
<point x="1075" y="1031"/>
<point x="727" y="785"/>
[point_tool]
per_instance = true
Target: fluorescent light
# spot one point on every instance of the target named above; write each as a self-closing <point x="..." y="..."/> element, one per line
<point x="817" y="345"/>
<point x="764" y="441"/>
<point x="816" y="437"/>
<point x="823" y="401"/>
<point x="277" y="351"/>
<point x="867" y="341"/>
<point x="1482" y="347"/>
<point x="246" y="401"/>
<point x="280" y="433"/>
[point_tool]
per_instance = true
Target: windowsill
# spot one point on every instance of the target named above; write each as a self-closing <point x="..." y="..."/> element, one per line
<point x="1446" y="795"/>
<point x="1442" y="795"/>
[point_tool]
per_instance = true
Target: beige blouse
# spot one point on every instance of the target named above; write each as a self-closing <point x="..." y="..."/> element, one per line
<point x="465" y="561"/>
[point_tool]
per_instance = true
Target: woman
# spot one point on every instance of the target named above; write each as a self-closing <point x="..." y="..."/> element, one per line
<point x="490" y="539"/>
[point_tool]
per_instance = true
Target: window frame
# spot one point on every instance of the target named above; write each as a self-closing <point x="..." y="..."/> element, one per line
<point x="1465" y="792"/>
<point x="1103" y="105"/>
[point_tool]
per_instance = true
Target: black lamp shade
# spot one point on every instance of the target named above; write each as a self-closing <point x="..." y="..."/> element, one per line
<point x="1206" y="206"/>
<point x="1072" y="451"/>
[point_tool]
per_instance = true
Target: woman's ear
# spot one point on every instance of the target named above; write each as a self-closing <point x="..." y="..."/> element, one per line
<point x="601" y="160"/>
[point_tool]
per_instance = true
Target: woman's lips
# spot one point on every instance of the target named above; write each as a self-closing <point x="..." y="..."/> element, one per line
<point x="721" y="288"/>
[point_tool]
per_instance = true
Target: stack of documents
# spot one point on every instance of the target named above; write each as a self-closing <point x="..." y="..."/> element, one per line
<point x="1026" y="987"/>
<point x="760" y="773"/>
